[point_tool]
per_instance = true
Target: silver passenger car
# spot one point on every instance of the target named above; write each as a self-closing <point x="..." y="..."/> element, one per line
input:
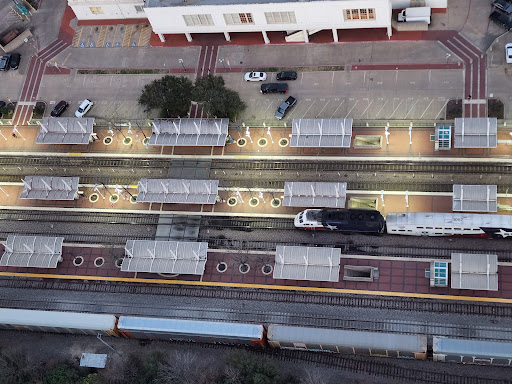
<point x="348" y="342"/>
<point x="472" y="351"/>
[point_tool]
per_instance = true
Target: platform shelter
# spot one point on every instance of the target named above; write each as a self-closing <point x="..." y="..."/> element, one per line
<point x="65" y="130"/>
<point x="321" y="133"/>
<point x="32" y="251"/>
<point x="189" y="132"/>
<point x="312" y="194"/>
<point x="475" y="198"/>
<point x="176" y="257"/>
<point x="307" y="263"/>
<point x="475" y="132"/>
<point x="49" y="188"/>
<point x="176" y="191"/>
<point x="474" y="271"/>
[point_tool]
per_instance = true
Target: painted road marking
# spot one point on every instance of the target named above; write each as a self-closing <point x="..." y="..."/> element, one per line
<point x="261" y="286"/>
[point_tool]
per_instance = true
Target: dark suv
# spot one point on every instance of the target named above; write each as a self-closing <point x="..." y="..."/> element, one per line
<point x="274" y="88"/>
<point x="503" y="5"/>
<point x="59" y="108"/>
<point x="4" y="62"/>
<point x="15" y="60"/>
<point x="501" y="19"/>
<point x="287" y="75"/>
<point x="285" y="107"/>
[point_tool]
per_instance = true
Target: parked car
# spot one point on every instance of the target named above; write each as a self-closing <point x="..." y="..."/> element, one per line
<point x="15" y="60"/>
<point x="255" y="76"/>
<point x="508" y="52"/>
<point x="84" y="108"/>
<point x="59" y="108"/>
<point x="4" y="62"/>
<point x="503" y="5"/>
<point x="274" y="88"/>
<point x="287" y="75"/>
<point x="501" y="19"/>
<point x="285" y="107"/>
<point x="2" y="104"/>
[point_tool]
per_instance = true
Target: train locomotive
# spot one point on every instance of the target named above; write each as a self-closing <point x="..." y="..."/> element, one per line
<point x="354" y="342"/>
<point x="408" y="224"/>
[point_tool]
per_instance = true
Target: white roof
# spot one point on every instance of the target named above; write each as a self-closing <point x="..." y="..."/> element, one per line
<point x="72" y="320"/>
<point x="466" y="220"/>
<point x="474" y="271"/>
<point x="307" y="263"/>
<point x="321" y="133"/>
<point x="476" y="348"/>
<point x="475" y="132"/>
<point x="475" y="198"/>
<point x="177" y="191"/>
<point x="183" y="257"/>
<point x="189" y="132"/>
<point x="32" y="251"/>
<point x="313" y="194"/>
<point x="65" y="130"/>
<point x="49" y="188"/>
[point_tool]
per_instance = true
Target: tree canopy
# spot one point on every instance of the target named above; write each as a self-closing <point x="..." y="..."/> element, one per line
<point x="218" y="101"/>
<point x="171" y="95"/>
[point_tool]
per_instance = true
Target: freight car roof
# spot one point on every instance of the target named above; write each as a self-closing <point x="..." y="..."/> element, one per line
<point x="73" y="320"/>
<point x="190" y="327"/>
<point x="341" y="337"/>
<point x="479" y="348"/>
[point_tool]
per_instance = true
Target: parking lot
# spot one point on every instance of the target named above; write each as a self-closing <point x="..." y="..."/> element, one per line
<point x="417" y="94"/>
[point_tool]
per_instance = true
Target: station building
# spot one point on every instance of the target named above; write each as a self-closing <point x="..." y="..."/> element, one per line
<point x="297" y="18"/>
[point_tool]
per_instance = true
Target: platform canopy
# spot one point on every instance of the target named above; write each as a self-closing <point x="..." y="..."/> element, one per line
<point x="189" y="132"/>
<point x="188" y="258"/>
<point x="474" y="271"/>
<point x="311" y="194"/>
<point x="32" y="251"/>
<point x="475" y="132"/>
<point x="475" y="198"/>
<point x="335" y="133"/>
<point x="49" y="188"/>
<point x="179" y="191"/>
<point x="65" y="130"/>
<point x="307" y="263"/>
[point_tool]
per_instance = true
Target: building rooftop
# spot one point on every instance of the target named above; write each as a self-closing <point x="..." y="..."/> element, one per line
<point x="184" y="3"/>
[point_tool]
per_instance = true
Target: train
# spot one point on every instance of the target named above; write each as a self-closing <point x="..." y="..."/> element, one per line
<point x="408" y="224"/>
<point x="342" y="341"/>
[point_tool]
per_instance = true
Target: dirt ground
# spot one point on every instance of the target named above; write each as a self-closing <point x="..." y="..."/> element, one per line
<point x="48" y="350"/>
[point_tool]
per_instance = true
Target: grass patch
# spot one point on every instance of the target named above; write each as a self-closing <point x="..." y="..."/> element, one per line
<point x="121" y="71"/>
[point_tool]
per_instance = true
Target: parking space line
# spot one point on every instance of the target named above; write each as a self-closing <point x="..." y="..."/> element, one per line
<point x="444" y="106"/>
<point x="407" y="114"/>
<point x="357" y="101"/>
<point x="398" y="106"/>
<point x="308" y="108"/>
<point x="381" y="108"/>
<point x="428" y="106"/>
<point x="370" y="103"/>
<point x="337" y="108"/>
<point x="318" y="114"/>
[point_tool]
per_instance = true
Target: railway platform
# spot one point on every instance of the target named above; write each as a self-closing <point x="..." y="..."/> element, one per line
<point x="399" y="277"/>
<point x="259" y="145"/>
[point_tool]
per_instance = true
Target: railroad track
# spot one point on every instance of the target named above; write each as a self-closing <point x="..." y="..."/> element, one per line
<point x="496" y="310"/>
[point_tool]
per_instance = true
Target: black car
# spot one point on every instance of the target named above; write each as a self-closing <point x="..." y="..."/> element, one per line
<point x="287" y="75"/>
<point x="15" y="60"/>
<point x="274" y="88"/>
<point x="285" y="107"/>
<point x="4" y="62"/>
<point x="503" y="5"/>
<point x="501" y="19"/>
<point x="59" y="108"/>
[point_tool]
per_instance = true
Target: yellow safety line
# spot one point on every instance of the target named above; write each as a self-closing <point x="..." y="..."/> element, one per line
<point x="260" y="286"/>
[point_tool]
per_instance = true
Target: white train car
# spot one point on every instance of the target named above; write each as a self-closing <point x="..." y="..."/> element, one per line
<point x="472" y="351"/>
<point x="449" y="224"/>
<point x="348" y="341"/>
<point x="192" y="330"/>
<point x="58" y="322"/>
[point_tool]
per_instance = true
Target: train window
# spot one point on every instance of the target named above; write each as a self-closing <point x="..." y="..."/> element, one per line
<point x="392" y="353"/>
<point x="500" y="362"/>
<point x="430" y="227"/>
<point x="467" y="359"/>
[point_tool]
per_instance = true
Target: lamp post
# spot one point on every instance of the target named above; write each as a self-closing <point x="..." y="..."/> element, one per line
<point x="183" y="65"/>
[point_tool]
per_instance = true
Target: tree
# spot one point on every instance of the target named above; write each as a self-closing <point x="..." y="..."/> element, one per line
<point x="14" y="369"/>
<point x="217" y="100"/>
<point x="170" y="94"/>
<point x="143" y="370"/>
<point x="244" y="368"/>
<point x="62" y="374"/>
<point x="187" y="368"/>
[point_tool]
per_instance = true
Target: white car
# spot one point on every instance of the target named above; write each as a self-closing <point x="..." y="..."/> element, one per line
<point x="84" y="108"/>
<point x="255" y="76"/>
<point x="508" y="52"/>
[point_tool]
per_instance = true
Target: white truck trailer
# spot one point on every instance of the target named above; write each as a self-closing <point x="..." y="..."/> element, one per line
<point x="415" y="14"/>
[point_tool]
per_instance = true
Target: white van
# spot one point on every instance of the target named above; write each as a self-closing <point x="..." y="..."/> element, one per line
<point x="415" y="14"/>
